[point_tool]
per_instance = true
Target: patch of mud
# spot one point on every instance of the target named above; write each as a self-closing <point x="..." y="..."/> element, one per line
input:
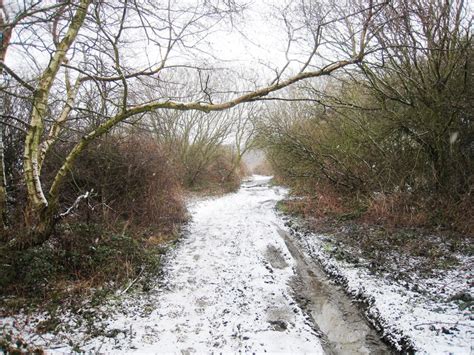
<point x="419" y="316"/>
<point x="345" y="329"/>
<point x="274" y="257"/>
<point x="278" y="325"/>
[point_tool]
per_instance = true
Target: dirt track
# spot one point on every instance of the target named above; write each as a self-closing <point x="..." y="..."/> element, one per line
<point x="237" y="283"/>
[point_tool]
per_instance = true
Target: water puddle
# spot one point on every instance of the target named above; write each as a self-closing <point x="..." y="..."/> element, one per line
<point x="345" y="329"/>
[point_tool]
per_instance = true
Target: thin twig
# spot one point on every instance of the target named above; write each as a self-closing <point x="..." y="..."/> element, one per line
<point x="75" y="204"/>
<point x="133" y="282"/>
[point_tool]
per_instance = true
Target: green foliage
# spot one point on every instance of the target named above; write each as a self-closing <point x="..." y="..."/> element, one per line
<point x="85" y="252"/>
<point x="34" y="267"/>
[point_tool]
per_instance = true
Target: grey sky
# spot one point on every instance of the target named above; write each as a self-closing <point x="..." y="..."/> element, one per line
<point x="256" y="41"/>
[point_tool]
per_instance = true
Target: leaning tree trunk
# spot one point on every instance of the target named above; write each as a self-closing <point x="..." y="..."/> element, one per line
<point x="41" y="211"/>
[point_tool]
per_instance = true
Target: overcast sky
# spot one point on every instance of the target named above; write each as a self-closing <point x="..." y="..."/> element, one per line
<point x="255" y="40"/>
<point x="257" y="36"/>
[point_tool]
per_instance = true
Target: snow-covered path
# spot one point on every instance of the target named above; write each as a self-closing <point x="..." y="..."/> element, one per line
<point x="228" y="285"/>
<point x="239" y="280"/>
<point x="236" y="282"/>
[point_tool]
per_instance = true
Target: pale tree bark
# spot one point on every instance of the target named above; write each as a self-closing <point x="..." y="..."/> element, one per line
<point x="32" y="153"/>
<point x="4" y="40"/>
<point x="3" y="184"/>
<point x="7" y="26"/>
<point x="56" y="127"/>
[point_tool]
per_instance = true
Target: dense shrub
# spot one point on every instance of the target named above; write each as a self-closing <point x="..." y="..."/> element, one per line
<point x="134" y="184"/>
<point x="368" y="167"/>
<point x="264" y="168"/>
<point x="206" y="167"/>
<point x="136" y="204"/>
<point x="395" y="137"/>
<point x="220" y="174"/>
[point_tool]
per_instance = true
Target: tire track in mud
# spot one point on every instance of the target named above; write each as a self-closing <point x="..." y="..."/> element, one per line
<point x="345" y="330"/>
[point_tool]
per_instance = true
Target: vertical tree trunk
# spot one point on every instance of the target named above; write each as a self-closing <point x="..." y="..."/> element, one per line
<point x="4" y="41"/>
<point x="3" y="183"/>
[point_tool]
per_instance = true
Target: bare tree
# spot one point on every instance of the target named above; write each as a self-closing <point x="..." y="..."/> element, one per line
<point x="192" y="136"/>
<point x="244" y="130"/>
<point x="96" y="47"/>
<point x="400" y="122"/>
<point x="427" y="46"/>
<point x="8" y="23"/>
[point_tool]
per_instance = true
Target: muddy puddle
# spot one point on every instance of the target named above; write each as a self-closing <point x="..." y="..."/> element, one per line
<point x="342" y="324"/>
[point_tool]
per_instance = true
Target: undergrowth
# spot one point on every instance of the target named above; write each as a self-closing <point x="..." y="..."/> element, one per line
<point x="383" y="234"/>
<point x="83" y="259"/>
<point x="134" y="210"/>
<point x="117" y="235"/>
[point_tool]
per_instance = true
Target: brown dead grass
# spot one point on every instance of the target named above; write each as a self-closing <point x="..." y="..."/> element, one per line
<point x="392" y="211"/>
<point x="396" y="210"/>
<point x="319" y="201"/>
<point x="391" y="230"/>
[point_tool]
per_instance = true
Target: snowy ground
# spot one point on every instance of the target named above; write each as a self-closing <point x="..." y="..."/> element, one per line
<point x="239" y="282"/>
<point x="224" y="291"/>
<point x="222" y="294"/>
<point x="422" y="315"/>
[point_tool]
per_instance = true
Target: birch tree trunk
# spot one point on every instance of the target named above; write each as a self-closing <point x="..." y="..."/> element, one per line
<point x="3" y="184"/>
<point x="41" y="212"/>
<point x="4" y="40"/>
